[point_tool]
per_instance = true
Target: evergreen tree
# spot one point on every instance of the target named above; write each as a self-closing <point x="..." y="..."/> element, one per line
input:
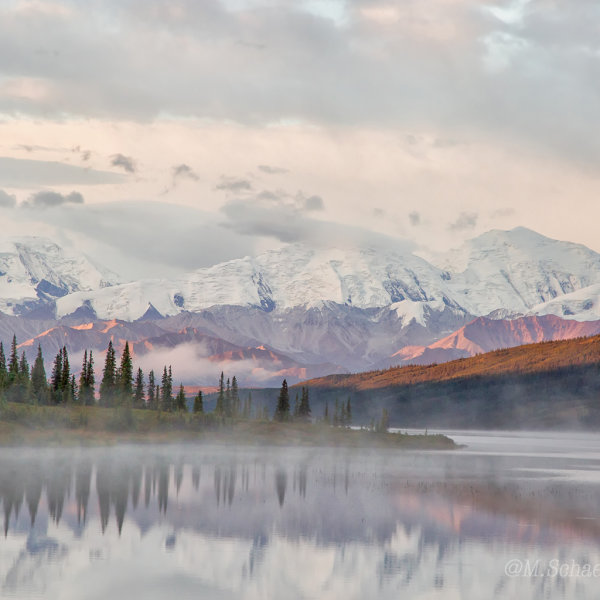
<point x="348" y="412"/>
<point x="3" y="370"/>
<point x="235" y="397"/>
<point x="151" y="390"/>
<point x="72" y="391"/>
<point x="181" y="402"/>
<point x="138" y="398"/>
<point x="23" y="369"/>
<point x="282" y="412"/>
<point x="13" y="363"/>
<point x="336" y="413"/>
<point x="66" y="376"/>
<point x="326" y="412"/>
<point x="108" y="383"/>
<point x="83" y="378"/>
<point x="297" y="406"/>
<point x="220" y="405"/>
<point x="87" y="380"/>
<point x="166" y="391"/>
<point x="304" y="410"/>
<point x="57" y="378"/>
<point x="198" y="403"/>
<point x="227" y="404"/>
<point x="39" y="384"/>
<point x="125" y="381"/>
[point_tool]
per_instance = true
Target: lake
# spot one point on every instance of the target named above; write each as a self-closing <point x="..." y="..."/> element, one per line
<point x="512" y="515"/>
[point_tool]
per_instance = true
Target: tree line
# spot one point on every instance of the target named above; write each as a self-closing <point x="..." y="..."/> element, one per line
<point x="121" y="386"/>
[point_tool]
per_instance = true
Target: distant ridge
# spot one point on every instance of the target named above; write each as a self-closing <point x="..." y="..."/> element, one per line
<point x="526" y="359"/>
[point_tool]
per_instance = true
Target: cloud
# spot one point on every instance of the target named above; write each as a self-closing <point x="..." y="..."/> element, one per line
<point x="7" y="200"/>
<point x="192" y="366"/>
<point x="125" y="162"/>
<point x="27" y="173"/>
<point x="272" y="170"/>
<point x="392" y="61"/>
<point x="414" y="218"/>
<point x="50" y="199"/>
<point x="184" y="171"/>
<point x="285" y="218"/>
<point x="234" y="184"/>
<point x="313" y="203"/>
<point x="464" y="221"/>
<point x="139" y="239"/>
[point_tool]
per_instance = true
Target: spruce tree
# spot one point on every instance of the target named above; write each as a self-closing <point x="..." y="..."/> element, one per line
<point x="235" y="397"/>
<point x="227" y="404"/>
<point x="72" y="391"/>
<point x="220" y="405"/>
<point x="107" y="386"/>
<point x="304" y="410"/>
<point x="23" y="369"/>
<point x="348" y="412"/>
<point x="198" y="403"/>
<point x="166" y="391"/>
<point x="126" y="374"/>
<point x="282" y="412"/>
<point x="87" y="380"/>
<point x="13" y="363"/>
<point x="138" y="398"/>
<point x="3" y="370"/>
<point x="66" y="376"/>
<point x="296" y="406"/>
<point x="57" y="378"/>
<point x="39" y="384"/>
<point x="181" y="402"/>
<point x="326" y="412"/>
<point x="90" y="380"/>
<point x="151" y="390"/>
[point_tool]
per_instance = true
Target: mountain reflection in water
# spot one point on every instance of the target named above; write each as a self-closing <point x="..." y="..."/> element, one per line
<point x="175" y="521"/>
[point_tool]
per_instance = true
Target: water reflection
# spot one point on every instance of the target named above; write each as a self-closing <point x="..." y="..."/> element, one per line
<point x="441" y="525"/>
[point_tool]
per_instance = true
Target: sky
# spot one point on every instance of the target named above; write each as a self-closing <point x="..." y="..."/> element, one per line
<point x="167" y="135"/>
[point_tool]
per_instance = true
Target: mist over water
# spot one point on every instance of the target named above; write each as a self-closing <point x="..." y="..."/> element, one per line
<point x="222" y="522"/>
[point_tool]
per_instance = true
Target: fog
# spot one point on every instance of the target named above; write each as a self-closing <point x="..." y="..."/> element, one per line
<point x="237" y="522"/>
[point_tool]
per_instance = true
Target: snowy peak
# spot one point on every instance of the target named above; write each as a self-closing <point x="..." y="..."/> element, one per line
<point x="35" y="271"/>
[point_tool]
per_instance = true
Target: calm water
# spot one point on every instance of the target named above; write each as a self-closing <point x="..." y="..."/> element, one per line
<point x="210" y="522"/>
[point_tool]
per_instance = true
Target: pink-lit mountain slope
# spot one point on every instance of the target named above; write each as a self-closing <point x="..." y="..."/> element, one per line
<point x="484" y="335"/>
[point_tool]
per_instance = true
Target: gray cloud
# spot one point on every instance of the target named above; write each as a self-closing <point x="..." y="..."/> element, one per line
<point x="464" y="221"/>
<point x="313" y="203"/>
<point x="125" y="162"/>
<point x="26" y="173"/>
<point x="7" y="200"/>
<point x="414" y="218"/>
<point x="272" y="170"/>
<point x="507" y="77"/>
<point x="184" y="171"/>
<point x="123" y="235"/>
<point x="50" y="199"/>
<point x="234" y="184"/>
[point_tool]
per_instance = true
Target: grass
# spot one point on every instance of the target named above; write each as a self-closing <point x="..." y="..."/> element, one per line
<point x="76" y="425"/>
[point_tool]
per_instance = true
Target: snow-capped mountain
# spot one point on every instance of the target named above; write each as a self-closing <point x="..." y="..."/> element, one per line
<point x="516" y="271"/>
<point x="354" y="308"/>
<point x="35" y="271"/>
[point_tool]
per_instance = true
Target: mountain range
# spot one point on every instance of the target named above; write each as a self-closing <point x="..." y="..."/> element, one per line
<point x="302" y="311"/>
